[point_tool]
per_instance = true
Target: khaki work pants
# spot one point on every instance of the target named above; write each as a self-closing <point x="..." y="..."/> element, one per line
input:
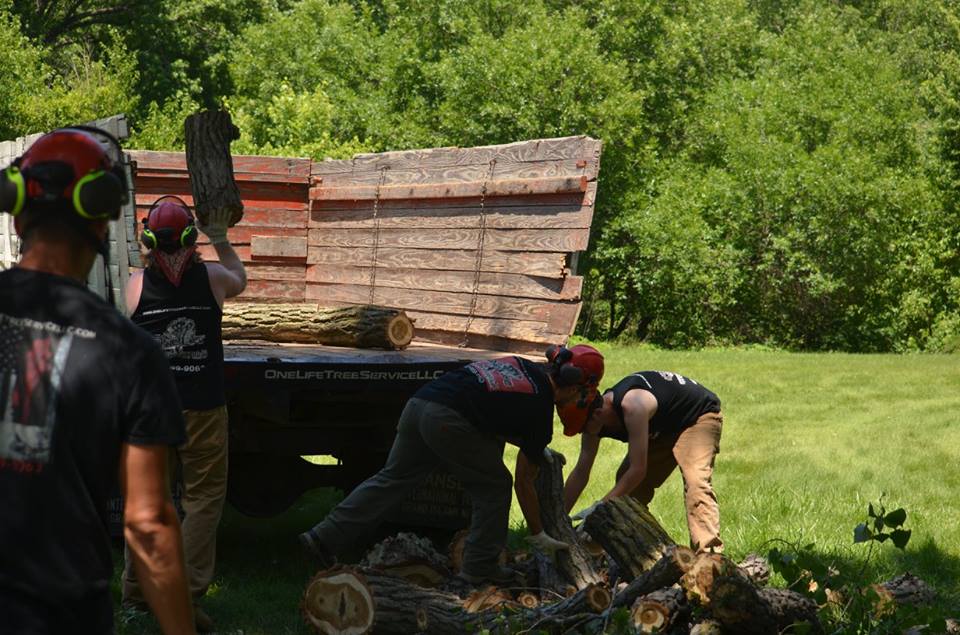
<point x="694" y="450"/>
<point x="202" y="462"/>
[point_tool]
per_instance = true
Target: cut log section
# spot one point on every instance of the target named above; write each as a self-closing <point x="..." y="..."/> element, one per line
<point x="338" y="602"/>
<point x="657" y="611"/>
<point x="208" y="135"/>
<point x="629" y="534"/>
<point x="575" y="564"/>
<point x="363" y="326"/>
<point x="698" y="580"/>
<point x="665" y="573"/>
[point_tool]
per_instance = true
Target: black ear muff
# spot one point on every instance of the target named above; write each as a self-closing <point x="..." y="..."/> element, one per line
<point x="570" y="375"/>
<point x="147" y="237"/>
<point x="13" y="191"/>
<point x="189" y="235"/>
<point x="99" y="195"/>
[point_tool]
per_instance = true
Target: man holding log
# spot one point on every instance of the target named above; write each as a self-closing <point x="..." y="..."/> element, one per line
<point x="179" y="300"/>
<point x="666" y="420"/>
<point x="461" y="421"/>
<point x="87" y="397"/>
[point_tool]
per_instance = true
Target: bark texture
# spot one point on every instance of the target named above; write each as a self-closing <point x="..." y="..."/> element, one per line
<point x="363" y="326"/>
<point x="629" y="534"/>
<point x="657" y="611"/>
<point x="208" y="135"/>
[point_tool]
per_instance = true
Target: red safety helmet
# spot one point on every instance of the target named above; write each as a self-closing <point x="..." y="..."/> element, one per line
<point x="580" y="365"/>
<point x="169" y="225"/>
<point x="69" y="166"/>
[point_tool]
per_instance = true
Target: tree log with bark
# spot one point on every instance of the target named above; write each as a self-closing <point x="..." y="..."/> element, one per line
<point x="629" y="534"/>
<point x="665" y="573"/>
<point x="365" y="326"/>
<point x="741" y="607"/>
<point x="574" y="564"/>
<point x="657" y="611"/>
<point x="208" y="135"/>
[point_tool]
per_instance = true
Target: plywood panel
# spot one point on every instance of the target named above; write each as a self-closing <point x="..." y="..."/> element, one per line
<point x="556" y="217"/>
<point x="278" y="246"/>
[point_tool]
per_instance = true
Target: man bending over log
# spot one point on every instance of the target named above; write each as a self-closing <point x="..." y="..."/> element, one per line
<point x="666" y="420"/>
<point x="460" y="421"/>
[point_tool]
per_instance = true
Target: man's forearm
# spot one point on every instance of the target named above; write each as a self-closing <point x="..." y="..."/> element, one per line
<point x="230" y="260"/>
<point x="529" y="503"/>
<point x="572" y="489"/>
<point x="157" y="551"/>
<point x="629" y="481"/>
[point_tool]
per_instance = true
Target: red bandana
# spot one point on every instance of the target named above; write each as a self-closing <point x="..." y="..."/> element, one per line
<point x="173" y="265"/>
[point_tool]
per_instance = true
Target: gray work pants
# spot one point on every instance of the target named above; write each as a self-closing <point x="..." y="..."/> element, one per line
<point x="431" y="435"/>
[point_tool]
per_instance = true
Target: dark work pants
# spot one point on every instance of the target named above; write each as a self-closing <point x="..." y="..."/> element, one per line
<point x="431" y="435"/>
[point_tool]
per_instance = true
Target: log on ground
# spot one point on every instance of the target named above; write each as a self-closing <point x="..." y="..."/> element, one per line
<point x="365" y="326"/>
<point x="657" y="611"/>
<point x="629" y="534"/>
<point x="665" y="573"/>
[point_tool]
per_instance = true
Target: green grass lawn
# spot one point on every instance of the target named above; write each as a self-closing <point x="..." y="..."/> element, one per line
<point x="809" y="440"/>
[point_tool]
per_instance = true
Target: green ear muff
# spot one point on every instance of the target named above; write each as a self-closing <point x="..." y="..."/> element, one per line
<point x="148" y="238"/>
<point x="78" y="191"/>
<point x="189" y="235"/>
<point x="13" y="191"/>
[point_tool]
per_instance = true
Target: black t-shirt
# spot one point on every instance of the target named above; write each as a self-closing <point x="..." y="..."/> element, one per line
<point x="680" y="401"/>
<point x="77" y="379"/>
<point x="509" y="397"/>
<point x="185" y="320"/>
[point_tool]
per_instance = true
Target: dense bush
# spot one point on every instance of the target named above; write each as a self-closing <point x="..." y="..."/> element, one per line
<point x="776" y="173"/>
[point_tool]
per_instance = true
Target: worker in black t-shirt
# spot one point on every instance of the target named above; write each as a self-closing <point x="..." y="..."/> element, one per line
<point x="666" y="420"/>
<point x="85" y="397"/>
<point x="460" y="421"/>
<point x="179" y="300"/>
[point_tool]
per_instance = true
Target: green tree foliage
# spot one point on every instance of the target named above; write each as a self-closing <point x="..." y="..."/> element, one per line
<point x="776" y="172"/>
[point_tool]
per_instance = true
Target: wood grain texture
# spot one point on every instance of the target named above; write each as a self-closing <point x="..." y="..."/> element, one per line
<point x="500" y="170"/>
<point x="556" y="315"/>
<point x="551" y="265"/>
<point x="506" y="284"/>
<point x="507" y="187"/>
<point x="291" y="169"/>
<point x="278" y="247"/>
<point x="557" y="216"/>
<point x="526" y="240"/>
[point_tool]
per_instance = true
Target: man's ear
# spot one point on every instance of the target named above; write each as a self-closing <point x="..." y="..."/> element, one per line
<point x="100" y="228"/>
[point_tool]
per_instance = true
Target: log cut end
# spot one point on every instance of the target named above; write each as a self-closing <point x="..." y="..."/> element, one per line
<point x="338" y="601"/>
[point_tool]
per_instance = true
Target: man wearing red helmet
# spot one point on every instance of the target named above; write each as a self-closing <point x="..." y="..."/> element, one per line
<point x="179" y="300"/>
<point x="85" y="397"/>
<point x="666" y="420"/>
<point x="460" y="421"/>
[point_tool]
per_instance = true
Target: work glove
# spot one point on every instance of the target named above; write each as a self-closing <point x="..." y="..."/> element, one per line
<point x="583" y="513"/>
<point x="547" y="544"/>
<point x="216" y="226"/>
<point x="547" y="456"/>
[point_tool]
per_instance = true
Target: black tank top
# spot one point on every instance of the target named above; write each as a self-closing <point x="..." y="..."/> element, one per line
<point x="185" y="321"/>
<point x="680" y="402"/>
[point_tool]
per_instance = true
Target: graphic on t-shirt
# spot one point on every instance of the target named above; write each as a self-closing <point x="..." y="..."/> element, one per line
<point x="502" y="375"/>
<point x="33" y="356"/>
<point x="180" y="335"/>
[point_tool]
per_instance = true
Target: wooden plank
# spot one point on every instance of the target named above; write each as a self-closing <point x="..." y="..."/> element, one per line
<point x="509" y="187"/>
<point x="551" y="265"/>
<point x="506" y="346"/>
<point x="144" y="201"/>
<point x="583" y="199"/>
<point x="292" y="271"/>
<point x="278" y="246"/>
<point x="556" y="149"/>
<point x="294" y="169"/>
<point x="557" y="217"/>
<point x="557" y="240"/>
<point x="274" y="290"/>
<point x="508" y="284"/>
<point x="463" y="173"/>
<point x="558" y="316"/>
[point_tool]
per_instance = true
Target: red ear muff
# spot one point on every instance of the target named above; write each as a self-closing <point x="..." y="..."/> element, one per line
<point x="13" y="191"/>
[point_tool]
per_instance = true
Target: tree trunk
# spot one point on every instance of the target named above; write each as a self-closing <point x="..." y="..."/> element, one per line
<point x="659" y="610"/>
<point x="742" y="608"/>
<point x="629" y="534"/>
<point x="665" y="573"/>
<point x="574" y="564"/>
<point x="364" y="326"/>
<point x="208" y="135"/>
<point x="347" y="600"/>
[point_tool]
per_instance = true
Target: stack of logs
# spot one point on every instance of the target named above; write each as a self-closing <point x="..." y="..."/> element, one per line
<point x="620" y="561"/>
